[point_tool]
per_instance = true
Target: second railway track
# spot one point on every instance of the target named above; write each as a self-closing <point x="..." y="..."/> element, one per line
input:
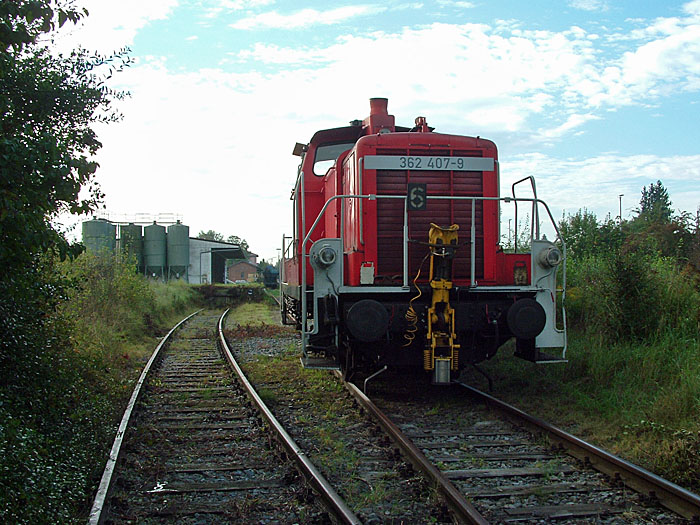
<point x="197" y="452"/>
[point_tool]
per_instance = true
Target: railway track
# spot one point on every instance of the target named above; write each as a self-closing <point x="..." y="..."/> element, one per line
<point x="511" y="475"/>
<point x="486" y="469"/>
<point x="196" y="451"/>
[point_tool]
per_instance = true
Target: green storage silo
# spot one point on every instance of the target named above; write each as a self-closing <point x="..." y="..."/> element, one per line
<point x="154" y="250"/>
<point x="131" y="242"/>
<point x="178" y="250"/>
<point x="99" y="235"/>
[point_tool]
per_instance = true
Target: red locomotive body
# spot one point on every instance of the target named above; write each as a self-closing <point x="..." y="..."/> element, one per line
<point x="398" y="230"/>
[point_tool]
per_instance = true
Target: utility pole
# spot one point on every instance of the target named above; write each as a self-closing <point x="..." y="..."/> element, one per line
<point x="620" y="197"/>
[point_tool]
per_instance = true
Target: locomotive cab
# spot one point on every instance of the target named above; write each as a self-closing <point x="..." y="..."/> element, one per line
<point x="396" y="256"/>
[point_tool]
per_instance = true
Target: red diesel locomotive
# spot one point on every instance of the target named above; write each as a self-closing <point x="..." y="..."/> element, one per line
<point x="395" y="258"/>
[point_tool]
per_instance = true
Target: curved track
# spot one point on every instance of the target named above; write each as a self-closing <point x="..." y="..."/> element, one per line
<point x="622" y="472"/>
<point x="194" y="450"/>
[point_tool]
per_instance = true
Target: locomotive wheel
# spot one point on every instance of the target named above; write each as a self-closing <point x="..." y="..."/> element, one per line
<point x="347" y="361"/>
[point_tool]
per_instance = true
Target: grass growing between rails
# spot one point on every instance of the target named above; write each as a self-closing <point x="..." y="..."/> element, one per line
<point x="70" y="355"/>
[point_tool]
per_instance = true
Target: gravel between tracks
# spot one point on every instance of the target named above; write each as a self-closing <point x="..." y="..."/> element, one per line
<point x="347" y="447"/>
<point x="367" y="470"/>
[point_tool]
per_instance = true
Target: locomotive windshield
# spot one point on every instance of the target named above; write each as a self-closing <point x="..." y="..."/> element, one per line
<point x="327" y="154"/>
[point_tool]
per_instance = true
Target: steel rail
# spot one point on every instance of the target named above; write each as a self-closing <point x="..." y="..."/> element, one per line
<point x="103" y="490"/>
<point x="334" y="503"/>
<point x="273" y="297"/>
<point x="668" y="494"/>
<point x="463" y="510"/>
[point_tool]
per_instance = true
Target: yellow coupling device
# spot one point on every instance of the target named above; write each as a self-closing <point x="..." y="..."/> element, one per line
<point x="441" y="336"/>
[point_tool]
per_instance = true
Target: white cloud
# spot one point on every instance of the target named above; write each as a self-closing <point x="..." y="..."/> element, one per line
<point x="572" y="122"/>
<point x="494" y="81"/>
<point x="272" y="54"/>
<point x="305" y="18"/>
<point x="216" y="146"/>
<point x="245" y="4"/>
<point x="595" y="183"/>
<point x="212" y="11"/>
<point x="589" y="5"/>
<point x="113" y="25"/>
<point x="692" y="8"/>
<point x="671" y="62"/>
<point x="457" y="3"/>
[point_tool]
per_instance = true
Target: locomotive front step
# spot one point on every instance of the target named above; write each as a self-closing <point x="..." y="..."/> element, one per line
<point x="319" y="363"/>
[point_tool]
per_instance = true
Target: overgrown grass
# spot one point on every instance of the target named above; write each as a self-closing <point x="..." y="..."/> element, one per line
<point x="69" y="381"/>
<point x="632" y="383"/>
<point x="250" y="314"/>
<point x="633" y="296"/>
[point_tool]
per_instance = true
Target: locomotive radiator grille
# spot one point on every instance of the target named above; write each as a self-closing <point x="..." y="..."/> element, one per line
<point x="442" y="212"/>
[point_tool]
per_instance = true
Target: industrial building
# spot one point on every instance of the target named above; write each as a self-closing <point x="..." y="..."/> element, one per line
<point x="165" y="253"/>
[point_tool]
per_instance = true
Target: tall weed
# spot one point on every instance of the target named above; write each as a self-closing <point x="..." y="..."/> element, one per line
<point x="109" y="302"/>
<point x="632" y="296"/>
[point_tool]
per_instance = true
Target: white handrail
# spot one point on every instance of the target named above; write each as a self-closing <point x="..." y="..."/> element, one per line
<point x="535" y="202"/>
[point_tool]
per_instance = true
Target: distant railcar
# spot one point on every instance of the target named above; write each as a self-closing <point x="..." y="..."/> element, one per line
<point x="396" y="258"/>
<point x="271" y="276"/>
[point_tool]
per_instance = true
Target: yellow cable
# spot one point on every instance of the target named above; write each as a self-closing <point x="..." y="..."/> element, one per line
<point x="411" y="314"/>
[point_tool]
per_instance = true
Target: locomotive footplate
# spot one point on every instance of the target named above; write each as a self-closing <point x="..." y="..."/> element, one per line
<point x="319" y="363"/>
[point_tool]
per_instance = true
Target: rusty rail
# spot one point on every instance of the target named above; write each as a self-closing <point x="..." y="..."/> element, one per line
<point x="106" y="481"/>
<point x="458" y="504"/>
<point x="670" y="495"/>
<point x="334" y="503"/>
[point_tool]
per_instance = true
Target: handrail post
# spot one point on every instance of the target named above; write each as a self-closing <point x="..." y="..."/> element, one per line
<point x="473" y="244"/>
<point x="405" y="243"/>
<point x="304" y="306"/>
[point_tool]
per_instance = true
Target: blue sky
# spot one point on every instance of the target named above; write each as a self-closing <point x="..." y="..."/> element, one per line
<point x="595" y="98"/>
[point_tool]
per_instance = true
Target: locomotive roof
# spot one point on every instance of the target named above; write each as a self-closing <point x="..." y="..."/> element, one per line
<point x="344" y="134"/>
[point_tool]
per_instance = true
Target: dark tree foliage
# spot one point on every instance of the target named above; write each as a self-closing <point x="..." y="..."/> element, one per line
<point x="656" y="230"/>
<point x="235" y="239"/>
<point x="585" y="236"/>
<point x="655" y="204"/>
<point x="210" y="235"/>
<point x="23" y="21"/>
<point x="616" y="270"/>
<point x="48" y="105"/>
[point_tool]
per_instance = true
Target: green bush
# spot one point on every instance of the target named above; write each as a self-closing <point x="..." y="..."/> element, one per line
<point x="52" y="418"/>
<point x="66" y="333"/>
<point x="632" y="296"/>
<point x="109" y="302"/>
<point x="171" y="297"/>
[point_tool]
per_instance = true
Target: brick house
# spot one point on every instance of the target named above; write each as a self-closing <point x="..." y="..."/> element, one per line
<point x="242" y="271"/>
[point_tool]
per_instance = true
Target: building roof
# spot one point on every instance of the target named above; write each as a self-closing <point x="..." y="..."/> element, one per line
<point x="243" y="261"/>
